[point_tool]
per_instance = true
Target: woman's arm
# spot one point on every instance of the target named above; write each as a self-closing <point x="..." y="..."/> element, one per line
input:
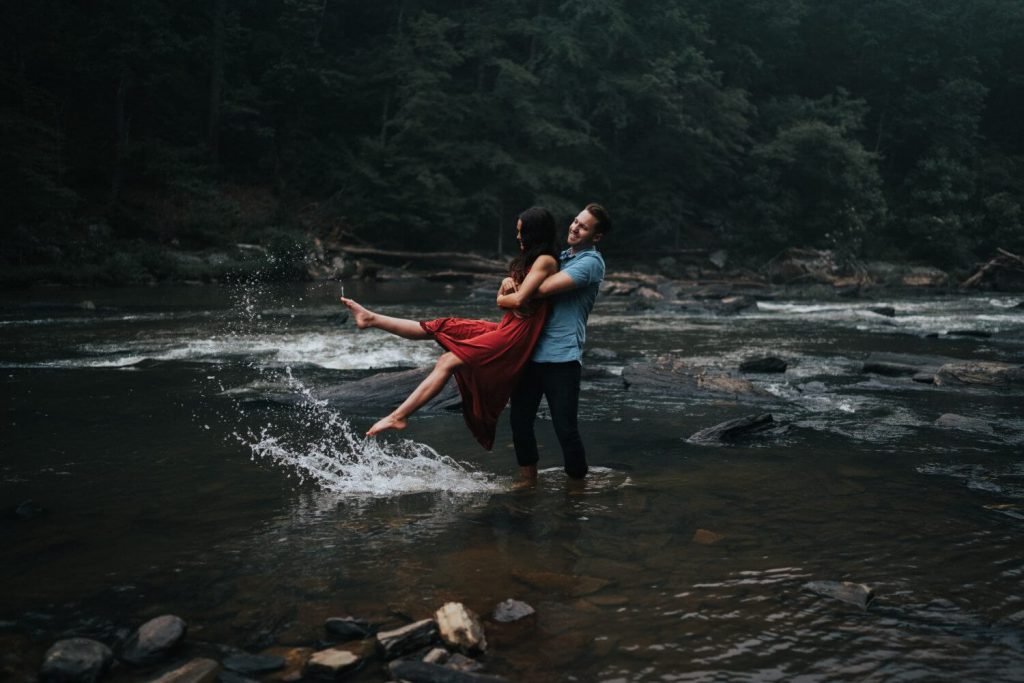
<point x="541" y="269"/>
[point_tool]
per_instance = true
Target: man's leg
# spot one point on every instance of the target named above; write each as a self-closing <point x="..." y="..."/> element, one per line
<point x="562" y="389"/>
<point x="522" y="415"/>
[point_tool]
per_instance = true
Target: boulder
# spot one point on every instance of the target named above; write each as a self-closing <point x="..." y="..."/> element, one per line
<point x="677" y="377"/>
<point x="460" y="628"/>
<point x="803" y="265"/>
<point x="981" y="373"/>
<point x="75" y="660"/>
<point x="200" y="670"/>
<point x="154" y="639"/>
<point x="898" y="364"/>
<point x="765" y="364"/>
<point x="408" y="638"/>
<point x="738" y="429"/>
<point x="967" y="424"/>
<point x="422" y="672"/>
<point x="348" y="628"/>
<point x="330" y="663"/>
<point x="853" y="593"/>
<point x="389" y="389"/>
<point x="512" y="610"/>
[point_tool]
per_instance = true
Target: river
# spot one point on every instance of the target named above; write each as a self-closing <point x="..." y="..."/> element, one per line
<point x="166" y="475"/>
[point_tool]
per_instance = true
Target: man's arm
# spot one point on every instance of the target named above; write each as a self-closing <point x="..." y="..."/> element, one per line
<point x="556" y="284"/>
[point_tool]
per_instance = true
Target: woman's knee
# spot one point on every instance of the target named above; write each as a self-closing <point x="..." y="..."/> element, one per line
<point x="448" y="362"/>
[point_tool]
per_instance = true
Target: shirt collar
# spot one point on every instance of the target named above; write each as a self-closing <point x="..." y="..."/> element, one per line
<point x="568" y="254"/>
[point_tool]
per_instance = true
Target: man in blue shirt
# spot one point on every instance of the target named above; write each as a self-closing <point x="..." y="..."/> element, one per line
<point x="554" y="368"/>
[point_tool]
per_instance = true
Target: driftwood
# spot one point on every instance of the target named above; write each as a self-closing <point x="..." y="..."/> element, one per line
<point x="1002" y="259"/>
<point x="443" y="260"/>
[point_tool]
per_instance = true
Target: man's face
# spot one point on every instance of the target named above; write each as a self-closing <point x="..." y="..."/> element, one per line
<point x="582" y="232"/>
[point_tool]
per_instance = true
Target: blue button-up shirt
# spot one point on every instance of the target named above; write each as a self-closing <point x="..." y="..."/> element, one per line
<point x="563" y="335"/>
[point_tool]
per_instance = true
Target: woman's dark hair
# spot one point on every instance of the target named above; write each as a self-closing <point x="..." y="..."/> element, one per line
<point x="537" y="237"/>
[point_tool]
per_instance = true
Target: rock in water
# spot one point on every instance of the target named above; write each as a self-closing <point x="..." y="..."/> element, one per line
<point x="738" y="429"/>
<point x="887" y="311"/>
<point x="512" y="610"/>
<point x="330" y="663"/>
<point x="967" y="424"/>
<point x="154" y="639"/>
<point x="347" y="628"/>
<point x="197" y="671"/>
<point x="422" y="672"/>
<point x="766" y="364"/>
<point x="253" y="664"/>
<point x="460" y="628"/>
<point x="853" y="593"/>
<point x="75" y="660"/>
<point x="408" y="638"/>
<point x="983" y="373"/>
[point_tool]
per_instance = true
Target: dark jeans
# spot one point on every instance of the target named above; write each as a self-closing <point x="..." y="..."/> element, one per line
<point x="560" y="383"/>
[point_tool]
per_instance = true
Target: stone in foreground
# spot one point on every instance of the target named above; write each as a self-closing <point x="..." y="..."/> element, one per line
<point x="75" y="660"/>
<point x="512" y="610"/>
<point x="967" y="424"/>
<point x="853" y="593"/>
<point x="196" y="671"/>
<point x="738" y="429"/>
<point x="330" y="663"/>
<point x="460" y="628"/>
<point x="422" y="672"/>
<point x="348" y="628"/>
<point x="154" y="639"/>
<point x="408" y="638"/>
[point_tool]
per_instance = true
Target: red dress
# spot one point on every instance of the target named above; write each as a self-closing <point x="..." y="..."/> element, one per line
<point x="494" y="355"/>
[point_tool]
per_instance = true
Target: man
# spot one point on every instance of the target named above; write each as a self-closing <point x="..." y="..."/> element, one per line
<point x="554" y="368"/>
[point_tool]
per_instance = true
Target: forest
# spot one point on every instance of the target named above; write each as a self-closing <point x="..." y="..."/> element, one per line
<point x="881" y="129"/>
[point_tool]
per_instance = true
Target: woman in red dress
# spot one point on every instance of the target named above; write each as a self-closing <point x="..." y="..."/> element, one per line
<point x="485" y="357"/>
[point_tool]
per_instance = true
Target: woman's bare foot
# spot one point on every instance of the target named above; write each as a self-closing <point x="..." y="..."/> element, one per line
<point x="386" y="423"/>
<point x="363" y="317"/>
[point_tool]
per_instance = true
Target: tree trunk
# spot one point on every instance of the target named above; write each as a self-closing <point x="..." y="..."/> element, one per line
<point x="120" y="134"/>
<point x="216" y="80"/>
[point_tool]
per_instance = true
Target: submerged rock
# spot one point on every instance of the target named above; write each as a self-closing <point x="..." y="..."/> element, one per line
<point x="765" y="364"/>
<point x="853" y="593"/>
<point x="348" y="628"/>
<point x="407" y="639"/>
<point x="75" y="660"/>
<point x="562" y="583"/>
<point x="389" y="389"/>
<point x="512" y="610"/>
<point x="25" y="510"/>
<point x="705" y="537"/>
<point x="737" y="429"/>
<point x="460" y="628"/>
<point x="980" y="373"/>
<point x="967" y="424"/>
<point x="200" y="670"/>
<point x="154" y="639"/>
<point x="253" y="664"/>
<point x="423" y="672"/>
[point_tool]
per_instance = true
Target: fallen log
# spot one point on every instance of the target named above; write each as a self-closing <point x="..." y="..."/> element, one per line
<point x="1002" y="259"/>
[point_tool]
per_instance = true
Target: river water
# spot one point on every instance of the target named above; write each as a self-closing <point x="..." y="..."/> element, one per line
<point x="167" y="474"/>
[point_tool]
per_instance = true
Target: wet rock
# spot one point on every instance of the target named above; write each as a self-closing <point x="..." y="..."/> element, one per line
<point x="924" y="377"/>
<point x="512" y="610"/>
<point x="967" y="424"/>
<point x="718" y="258"/>
<point x="423" y="672"/>
<point x="389" y="389"/>
<point x="899" y="364"/>
<point x="25" y="510"/>
<point x="738" y="429"/>
<point x="330" y="663"/>
<point x="407" y="639"/>
<point x="295" y="659"/>
<point x="803" y="265"/>
<point x="348" y="628"/>
<point x="437" y="655"/>
<point x="887" y="311"/>
<point x="705" y="537"/>
<point x="562" y="583"/>
<point x="766" y="364"/>
<point x="925" y="276"/>
<point x="75" y="660"/>
<point x="460" y="628"/>
<point x="677" y="377"/>
<point x="154" y="639"/>
<point x="853" y="593"/>
<point x="200" y="670"/>
<point x="601" y="355"/>
<point x="735" y="303"/>
<point x="980" y="373"/>
<point x="253" y="664"/>
<point x="461" y="662"/>
<point x="647" y="294"/>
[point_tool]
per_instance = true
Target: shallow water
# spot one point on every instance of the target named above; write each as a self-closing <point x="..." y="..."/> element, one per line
<point x="174" y="481"/>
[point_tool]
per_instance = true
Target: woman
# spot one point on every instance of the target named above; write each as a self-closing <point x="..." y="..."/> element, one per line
<point x="485" y="357"/>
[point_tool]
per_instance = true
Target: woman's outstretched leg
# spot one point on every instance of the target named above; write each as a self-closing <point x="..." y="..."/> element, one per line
<point x="409" y="329"/>
<point x="430" y="387"/>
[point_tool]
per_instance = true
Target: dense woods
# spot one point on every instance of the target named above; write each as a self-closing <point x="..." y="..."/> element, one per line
<point x="880" y="128"/>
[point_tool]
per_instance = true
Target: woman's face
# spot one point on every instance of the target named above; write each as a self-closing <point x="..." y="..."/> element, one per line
<point x="519" y="233"/>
